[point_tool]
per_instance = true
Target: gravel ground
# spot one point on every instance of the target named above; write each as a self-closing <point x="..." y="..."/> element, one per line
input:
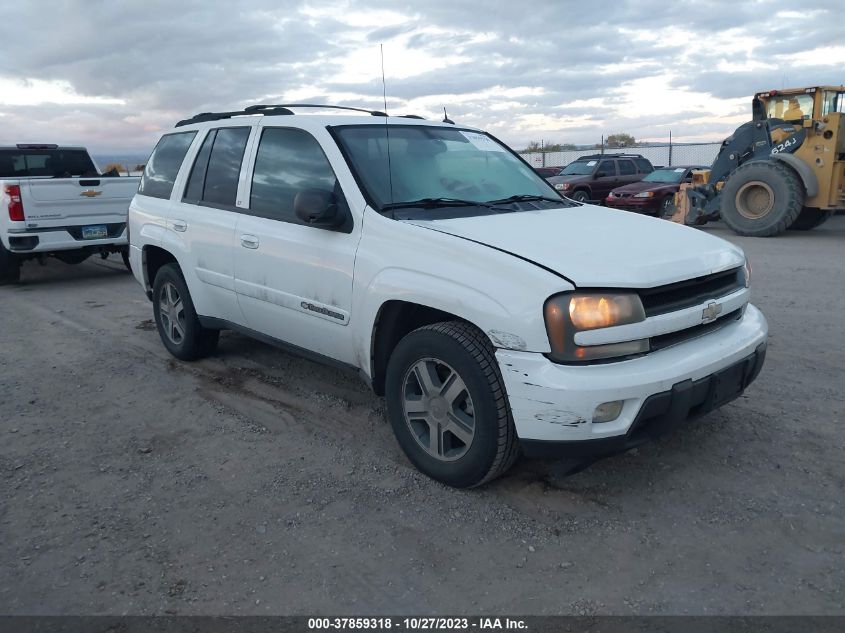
<point x="256" y="482"/>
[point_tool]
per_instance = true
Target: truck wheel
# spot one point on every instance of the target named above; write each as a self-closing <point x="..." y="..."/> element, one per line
<point x="447" y="405"/>
<point x="176" y="319"/>
<point x="762" y="198"/>
<point x="10" y="267"/>
<point x="810" y="218"/>
<point x="580" y="196"/>
<point x="125" y="255"/>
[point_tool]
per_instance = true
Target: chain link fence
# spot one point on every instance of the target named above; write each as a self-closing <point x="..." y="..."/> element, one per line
<point x="666" y="155"/>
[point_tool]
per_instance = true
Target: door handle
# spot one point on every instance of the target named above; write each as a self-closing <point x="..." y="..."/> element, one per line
<point x="249" y="241"/>
<point x="179" y="225"/>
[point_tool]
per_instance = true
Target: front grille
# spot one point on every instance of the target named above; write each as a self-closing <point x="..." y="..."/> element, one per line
<point x="691" y="292"/>
<point x="673" y="338"/>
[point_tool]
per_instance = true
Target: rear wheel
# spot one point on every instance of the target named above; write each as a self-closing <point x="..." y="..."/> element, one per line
<point x="176" y="319"/>
<point x="761" y="199"/>
<point x="810" y="218"/>
<point x="10" y="267"/>
<point x="447" y="405"/>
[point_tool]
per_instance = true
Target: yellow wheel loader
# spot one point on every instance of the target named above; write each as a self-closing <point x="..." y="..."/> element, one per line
<point x="785" y="169"/>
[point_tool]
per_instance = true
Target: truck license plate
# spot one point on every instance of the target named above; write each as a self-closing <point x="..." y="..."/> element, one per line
<point x="94" y="232"/>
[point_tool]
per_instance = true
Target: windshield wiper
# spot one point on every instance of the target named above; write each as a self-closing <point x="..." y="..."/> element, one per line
<point x="526" y="198"/>
<point x="438" y="203"/>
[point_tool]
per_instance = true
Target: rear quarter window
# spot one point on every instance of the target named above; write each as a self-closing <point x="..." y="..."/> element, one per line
<point x="164" y="163"/>
<point x="643" y="165"/>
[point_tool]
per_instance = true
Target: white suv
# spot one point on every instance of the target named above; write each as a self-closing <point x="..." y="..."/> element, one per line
<point x="492" y="314"/>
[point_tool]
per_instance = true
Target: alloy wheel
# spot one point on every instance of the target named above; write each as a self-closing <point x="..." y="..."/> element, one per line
<point x="172" y="313"/>
<point x="438" y="409"/>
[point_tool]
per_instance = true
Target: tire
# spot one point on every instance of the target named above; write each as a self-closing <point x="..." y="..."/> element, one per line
<point x="810" y="218"/>
<point x="667" y="207"/>
<point x="10" y="267"/>
<point x="762" y="199"/>
<point x="476" y="438"/>
<point x="176" y="319"/>
<point x="124" y="254"/>
<point x="580" y="196"/>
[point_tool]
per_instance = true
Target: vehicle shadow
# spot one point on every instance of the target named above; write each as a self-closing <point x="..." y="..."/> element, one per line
<point x="53" y="271"/>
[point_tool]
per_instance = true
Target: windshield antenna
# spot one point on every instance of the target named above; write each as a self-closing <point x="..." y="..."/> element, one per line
<point x="386" y="126"/>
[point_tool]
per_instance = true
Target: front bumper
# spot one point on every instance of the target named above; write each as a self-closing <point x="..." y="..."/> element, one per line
<point x="650" y="205"/>
<point x="662" y="412"/>
<point x="554" y="403"/>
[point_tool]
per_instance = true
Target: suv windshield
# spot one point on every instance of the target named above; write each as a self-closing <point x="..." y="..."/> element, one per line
<point x="436" y="166"/>
<point x="665" y="175"/>
<point x="579" y="168"/>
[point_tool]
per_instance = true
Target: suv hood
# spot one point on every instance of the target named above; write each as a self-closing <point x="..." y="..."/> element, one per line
<point x="569" y="178"/>
<point x="598" y="247"/>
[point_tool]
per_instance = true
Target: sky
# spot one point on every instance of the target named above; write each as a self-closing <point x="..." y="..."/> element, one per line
<point x="113" y="75"/>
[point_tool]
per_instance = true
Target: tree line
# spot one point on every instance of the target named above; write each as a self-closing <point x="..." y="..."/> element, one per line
<point x="613" y="141"/>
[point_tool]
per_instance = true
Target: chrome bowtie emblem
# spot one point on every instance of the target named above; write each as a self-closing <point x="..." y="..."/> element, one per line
<point x="90" y="193"/>
<point x="710" y="313"/>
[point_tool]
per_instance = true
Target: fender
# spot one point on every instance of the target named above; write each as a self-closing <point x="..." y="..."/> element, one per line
<point x="811" y="183"/>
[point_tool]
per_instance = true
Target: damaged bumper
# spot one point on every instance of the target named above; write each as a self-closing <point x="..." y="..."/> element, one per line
<point x="553" y="405"/>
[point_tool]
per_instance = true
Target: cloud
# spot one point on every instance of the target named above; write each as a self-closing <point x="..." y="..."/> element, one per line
<point x="103" y="75"/>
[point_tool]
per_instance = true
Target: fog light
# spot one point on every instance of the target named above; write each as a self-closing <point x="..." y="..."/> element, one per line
<point x="608" y="411"/>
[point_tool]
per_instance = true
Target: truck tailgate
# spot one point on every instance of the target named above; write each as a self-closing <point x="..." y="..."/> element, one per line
<point x="59" y="202"/>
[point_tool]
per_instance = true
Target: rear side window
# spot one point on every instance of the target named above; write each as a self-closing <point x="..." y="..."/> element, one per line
<point x="45" y="163"/>
<point x="288" y="161"/>
<point x="643" y="165"/>
<point x="626" y="168"/>
<point x="607" y="168"/>
<point x="164" y="163"/>
<point x="224" y="166"/>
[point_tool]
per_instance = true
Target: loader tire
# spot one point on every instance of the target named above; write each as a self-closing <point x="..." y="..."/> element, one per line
<point x="810" y="218"/>
<point x="762" y="199"/>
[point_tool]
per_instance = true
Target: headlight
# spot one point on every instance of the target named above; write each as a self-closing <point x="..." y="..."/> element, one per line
<point x="644" y="194"/>
<point x="562" y="186"/>
<point x="567" y="314"/>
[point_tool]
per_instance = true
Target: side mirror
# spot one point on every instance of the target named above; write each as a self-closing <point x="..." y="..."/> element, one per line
<point x="317" y="207"/>
<point x="600" y="174"/>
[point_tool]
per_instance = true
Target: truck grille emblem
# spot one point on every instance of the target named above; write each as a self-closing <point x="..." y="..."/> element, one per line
<point x="710" y="313"/>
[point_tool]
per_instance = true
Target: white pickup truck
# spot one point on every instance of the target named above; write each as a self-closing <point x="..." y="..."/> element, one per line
<point x="493" y="315"/>
<point x="54" y="202"/>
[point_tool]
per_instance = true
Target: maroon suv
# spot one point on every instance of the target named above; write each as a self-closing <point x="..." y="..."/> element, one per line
<point x="653" y="194"/>
<point x="591" y="178"/>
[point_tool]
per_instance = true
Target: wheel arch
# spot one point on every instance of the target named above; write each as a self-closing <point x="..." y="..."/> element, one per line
<point x="153" y="258"/>
<point x="395" y="319"/>
<point x="804" y="171"/>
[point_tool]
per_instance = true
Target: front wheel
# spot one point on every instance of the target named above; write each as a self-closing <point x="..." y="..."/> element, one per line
<point x="176" y="319"/>
<point x="447" y="405"/>
<point x="667" y="207"/>
<point x="762" y="198"/>
<point x="580" y="196"/>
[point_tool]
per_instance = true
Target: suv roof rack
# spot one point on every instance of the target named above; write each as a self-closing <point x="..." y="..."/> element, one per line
<point x="611" y="156"/>
<point x="275" y="109"/>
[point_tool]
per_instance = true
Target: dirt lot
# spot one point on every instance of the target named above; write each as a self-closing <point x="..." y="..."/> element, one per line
<point x="257" y="482"/>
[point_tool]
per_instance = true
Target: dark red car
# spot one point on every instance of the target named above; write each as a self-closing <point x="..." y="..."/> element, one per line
<point x="653" y="194"/>
<point x="547" y="172"/>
